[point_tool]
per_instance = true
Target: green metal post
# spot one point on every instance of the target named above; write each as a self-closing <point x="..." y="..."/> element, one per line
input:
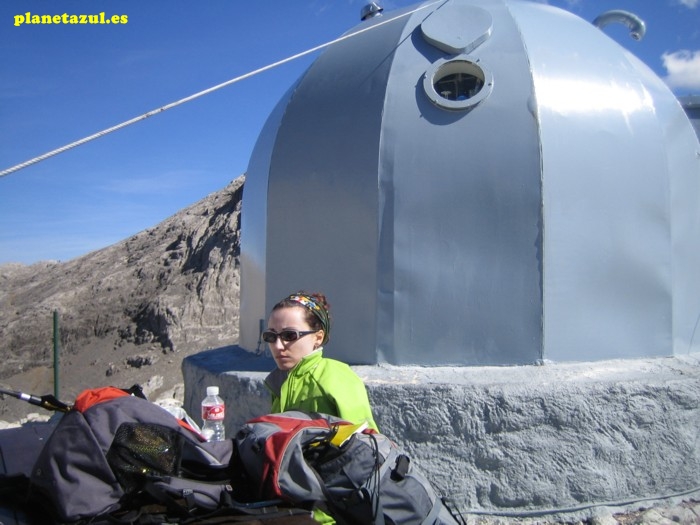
<point x="55" y="355"/>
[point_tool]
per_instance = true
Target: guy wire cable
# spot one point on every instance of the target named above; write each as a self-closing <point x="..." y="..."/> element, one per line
<point x="148" y="114"/>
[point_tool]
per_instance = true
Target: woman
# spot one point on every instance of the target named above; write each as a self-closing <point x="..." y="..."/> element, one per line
<point x="297" y="329"/>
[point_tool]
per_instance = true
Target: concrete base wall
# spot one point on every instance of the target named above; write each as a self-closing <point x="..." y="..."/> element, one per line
<point x="519" y="440"/>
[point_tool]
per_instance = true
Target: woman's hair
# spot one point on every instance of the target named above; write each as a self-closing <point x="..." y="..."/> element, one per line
<point x="316" y="310"/>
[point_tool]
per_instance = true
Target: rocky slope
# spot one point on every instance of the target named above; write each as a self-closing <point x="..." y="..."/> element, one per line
<point x="127" y="313"/>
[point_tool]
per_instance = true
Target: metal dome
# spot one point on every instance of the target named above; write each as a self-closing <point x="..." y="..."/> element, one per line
<point x="478" y="182"/>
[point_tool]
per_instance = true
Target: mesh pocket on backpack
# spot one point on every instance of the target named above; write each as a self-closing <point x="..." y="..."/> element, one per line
<point x="143" y="451"/>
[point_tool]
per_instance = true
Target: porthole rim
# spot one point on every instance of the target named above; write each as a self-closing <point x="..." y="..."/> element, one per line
<point x="457" y="105"/>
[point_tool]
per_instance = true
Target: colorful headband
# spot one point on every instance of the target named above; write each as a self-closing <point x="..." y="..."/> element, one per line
<point x="318" y="310"/>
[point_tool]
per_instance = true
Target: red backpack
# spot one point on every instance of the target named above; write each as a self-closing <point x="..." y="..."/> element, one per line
<point x="271" y="451"/>
<point x="357" y="475"/>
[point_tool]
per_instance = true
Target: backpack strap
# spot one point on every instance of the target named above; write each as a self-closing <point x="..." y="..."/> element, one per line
<point x="135" y="390"/>
<point x="186" y="509"/>
<point x="433" y="514"/>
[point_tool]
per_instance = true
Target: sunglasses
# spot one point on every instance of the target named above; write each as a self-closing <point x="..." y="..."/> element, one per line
<point x="287" y="336"/>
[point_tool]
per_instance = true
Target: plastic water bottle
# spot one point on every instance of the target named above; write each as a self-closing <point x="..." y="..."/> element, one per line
<point x="213" y="415"/>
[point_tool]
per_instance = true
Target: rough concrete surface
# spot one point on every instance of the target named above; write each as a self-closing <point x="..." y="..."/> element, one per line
<point x="575" y="440"/>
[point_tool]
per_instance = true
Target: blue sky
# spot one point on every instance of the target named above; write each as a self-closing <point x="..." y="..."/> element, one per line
<point x="61" y="83"/>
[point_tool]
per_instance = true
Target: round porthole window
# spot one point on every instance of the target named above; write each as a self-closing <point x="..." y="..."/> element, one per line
<point x="457" y="83"/>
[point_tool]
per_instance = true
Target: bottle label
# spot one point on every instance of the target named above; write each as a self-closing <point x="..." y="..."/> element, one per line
<point x="213" y="413"/>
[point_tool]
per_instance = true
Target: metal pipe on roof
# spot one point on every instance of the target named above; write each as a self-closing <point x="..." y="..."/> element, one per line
<point x="370" y="11"/>
<point x="635" y="24"/>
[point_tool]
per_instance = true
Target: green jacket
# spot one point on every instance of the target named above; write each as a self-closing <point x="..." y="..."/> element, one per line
<point x="319" y="384"/>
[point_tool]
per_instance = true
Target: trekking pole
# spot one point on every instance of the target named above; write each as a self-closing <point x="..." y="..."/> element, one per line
<point x="48" y="401"/>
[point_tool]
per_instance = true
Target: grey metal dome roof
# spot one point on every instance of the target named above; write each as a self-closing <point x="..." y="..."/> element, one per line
<point x="478" y="182"/>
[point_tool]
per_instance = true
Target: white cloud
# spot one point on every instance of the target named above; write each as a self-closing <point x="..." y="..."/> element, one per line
<point x="683" y="68"/>
<point x="691" y="4"/>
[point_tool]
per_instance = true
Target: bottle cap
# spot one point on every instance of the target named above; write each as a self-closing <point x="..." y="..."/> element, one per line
<point x="212" y="391"/>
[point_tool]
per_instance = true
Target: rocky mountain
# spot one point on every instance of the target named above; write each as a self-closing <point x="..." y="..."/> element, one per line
<point x="129" y="312"/>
